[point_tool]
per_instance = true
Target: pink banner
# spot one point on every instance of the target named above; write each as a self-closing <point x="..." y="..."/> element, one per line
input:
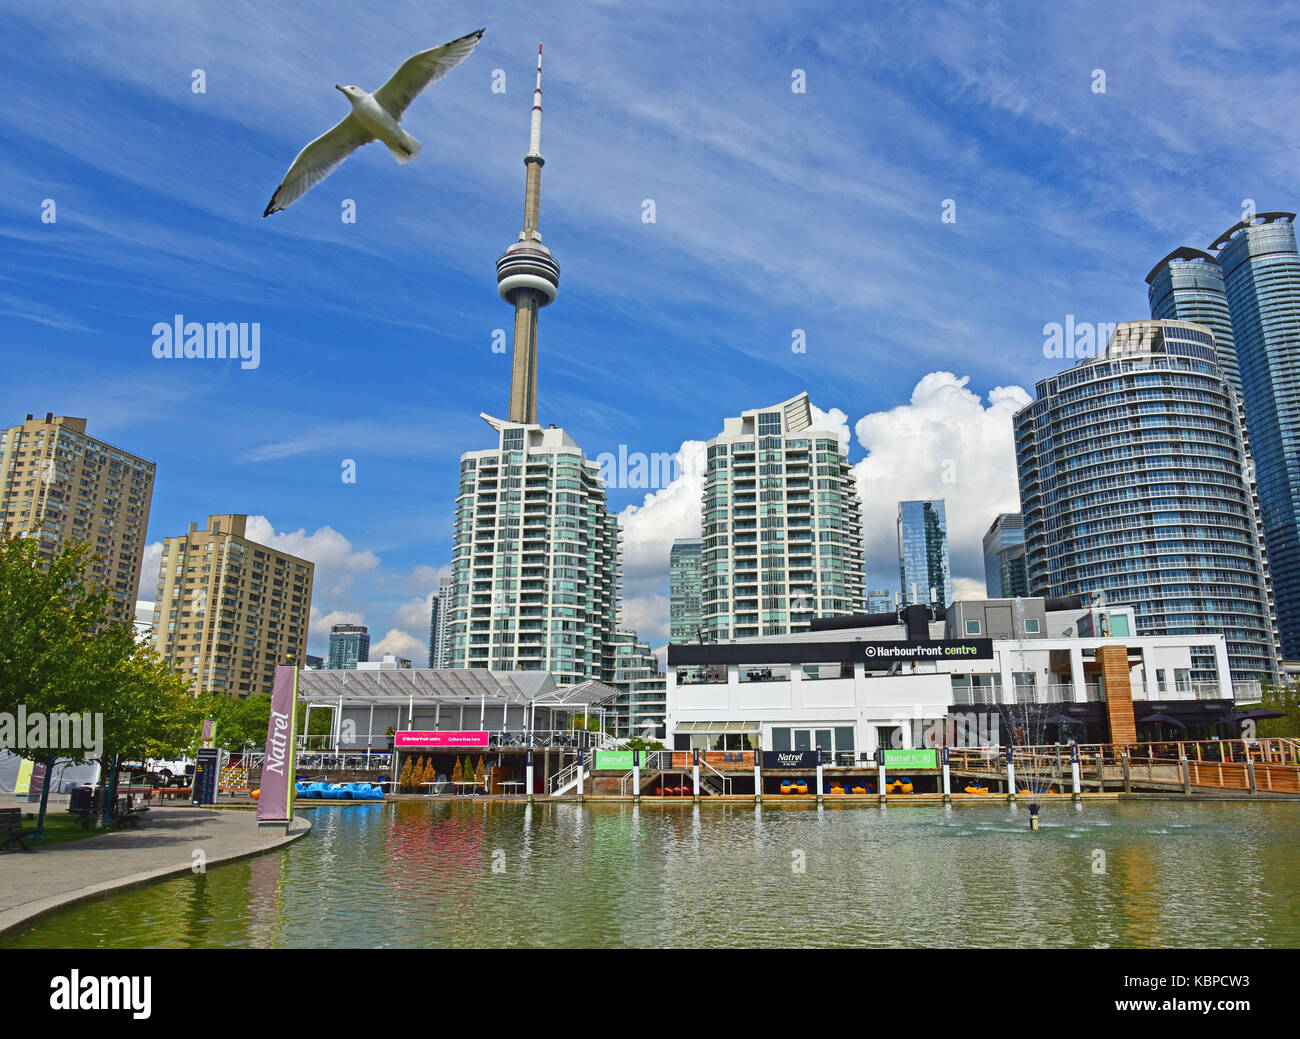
<point x="275" y="802"/>
<point x="415" y="739"/>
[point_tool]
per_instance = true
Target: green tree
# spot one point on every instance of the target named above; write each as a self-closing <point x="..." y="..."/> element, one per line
<point x="639" y="743"/>
<point x="49" y="610"/>
<point x="146" y="707"/>
<point x="1286" y="699"/>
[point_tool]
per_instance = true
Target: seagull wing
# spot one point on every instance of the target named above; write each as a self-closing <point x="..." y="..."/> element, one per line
<point x="318" y="160"/>
<point x="419" y="70"/>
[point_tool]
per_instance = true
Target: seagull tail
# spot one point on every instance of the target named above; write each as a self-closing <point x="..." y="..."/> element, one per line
<point x="405" y="151"/>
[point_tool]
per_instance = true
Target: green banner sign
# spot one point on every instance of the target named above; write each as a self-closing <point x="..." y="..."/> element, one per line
<point x="621" y="759"/>
<point x="911" y="759"/>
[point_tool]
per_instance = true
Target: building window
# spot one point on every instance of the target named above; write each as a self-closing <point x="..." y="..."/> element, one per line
<point x="1031" y="625"/>
<point x="972" y="627"/>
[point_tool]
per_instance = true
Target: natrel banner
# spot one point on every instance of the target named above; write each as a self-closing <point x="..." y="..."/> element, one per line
<point x="613" y="759"/>
<point x="789" y="759"/>
<point x="275" y="802"/>
<point x="911" y="759"/>
<point x="414" y="739"/>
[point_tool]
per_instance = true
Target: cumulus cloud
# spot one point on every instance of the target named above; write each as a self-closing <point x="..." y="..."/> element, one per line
<point x="415" y="613"/>
<point x="428" y="576"/>
<point x="401" y="644"/>
<point x="322" y="622"/>
<point x="149" y="564"/>
<point x="833" y="421"/>
<point x="649" y="530"/>
<point x="337" y="562"/>
<point x="944" y="443"/>
<point x="647" y="615"/>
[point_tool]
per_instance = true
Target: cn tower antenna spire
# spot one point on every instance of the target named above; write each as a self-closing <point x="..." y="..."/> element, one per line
<point x="527" y="275"/>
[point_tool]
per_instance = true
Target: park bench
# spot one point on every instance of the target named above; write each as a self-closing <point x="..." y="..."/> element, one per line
<point x="126" y="814"/>
<point x="11" y="828"/>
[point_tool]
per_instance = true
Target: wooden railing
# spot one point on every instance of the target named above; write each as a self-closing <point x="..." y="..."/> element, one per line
<point x="1264" y="765"/>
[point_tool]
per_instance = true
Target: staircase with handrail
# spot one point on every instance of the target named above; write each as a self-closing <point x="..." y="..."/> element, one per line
<point x="567" y="778"/>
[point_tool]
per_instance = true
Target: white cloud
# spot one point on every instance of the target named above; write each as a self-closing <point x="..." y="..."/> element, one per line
<point x="322" y="622"/>
<point x="833" y="421"/>
<point x="649" y="530"/>
<point x="401" y="644"/>
<point x="647" y="615"/>
<point x="149" y="570"/>
<point x="944" y="443"/>
<point x="423" y="577"/>
<point x="970" y="587"/>
<point x="415" y="613"/>
<point x="337" y="562"/>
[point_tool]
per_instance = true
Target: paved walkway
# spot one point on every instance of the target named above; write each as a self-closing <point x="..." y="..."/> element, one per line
<point x="46" y="878"/>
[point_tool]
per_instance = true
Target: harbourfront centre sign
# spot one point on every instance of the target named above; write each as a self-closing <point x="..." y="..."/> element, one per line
<point x="940" y="649"/>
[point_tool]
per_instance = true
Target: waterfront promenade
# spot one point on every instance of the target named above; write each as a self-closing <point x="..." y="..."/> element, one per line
<point x="48" y="877"/>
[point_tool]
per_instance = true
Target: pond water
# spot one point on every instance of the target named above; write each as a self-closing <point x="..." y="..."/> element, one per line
<point x="417" y="874"/>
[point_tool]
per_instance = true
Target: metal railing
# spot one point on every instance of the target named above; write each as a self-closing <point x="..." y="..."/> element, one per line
<point x="1264" y="751"/>
<point x="561" y="739"/>
<point x="707" y="771"/>
<point x="567" y="775"/>
<point x="356" y="761"/>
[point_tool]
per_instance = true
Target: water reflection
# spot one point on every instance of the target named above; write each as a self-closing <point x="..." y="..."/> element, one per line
<point x="563" y="875"/>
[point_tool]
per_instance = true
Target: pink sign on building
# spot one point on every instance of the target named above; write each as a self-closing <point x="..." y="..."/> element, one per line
<point x="420" y="740"/>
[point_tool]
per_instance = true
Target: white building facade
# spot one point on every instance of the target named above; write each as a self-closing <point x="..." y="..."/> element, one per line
<point x="962" y="676"/>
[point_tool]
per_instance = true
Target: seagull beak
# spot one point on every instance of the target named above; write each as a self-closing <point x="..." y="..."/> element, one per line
<point x="337" y="87"/>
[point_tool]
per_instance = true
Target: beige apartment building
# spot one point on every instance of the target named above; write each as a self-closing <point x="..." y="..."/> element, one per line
<point x="61" y="486"/>
<point x="228" y="610"/>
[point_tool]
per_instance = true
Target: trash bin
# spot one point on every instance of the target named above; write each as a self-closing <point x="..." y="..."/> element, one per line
<point x="79" y="799"/>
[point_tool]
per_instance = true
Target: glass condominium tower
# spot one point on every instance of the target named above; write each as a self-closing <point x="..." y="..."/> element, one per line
<point x="923" y="565"/>
<point x="684" y="590"/>
<point x="349" y="646"/>
<point x="782" y="526"/>
<point x="1006" y="574"/>
<point x="1261" y="275"/>
<point x="1132" y="471"/>
<point x="535" y="568"/>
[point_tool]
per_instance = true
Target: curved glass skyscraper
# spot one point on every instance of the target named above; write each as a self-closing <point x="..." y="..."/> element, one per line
<point x="1133" y="483"/>
<point x="1187" y="285"/>
<point x="1261" y="275"/>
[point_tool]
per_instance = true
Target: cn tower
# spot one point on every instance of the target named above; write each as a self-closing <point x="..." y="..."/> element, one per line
<point x="527" y="275"/>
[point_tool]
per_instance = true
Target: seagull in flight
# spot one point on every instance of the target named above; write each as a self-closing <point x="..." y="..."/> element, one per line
<point x="374" y="117"/>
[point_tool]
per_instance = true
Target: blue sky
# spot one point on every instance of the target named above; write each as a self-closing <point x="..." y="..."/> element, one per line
<point x="775" y="211"/>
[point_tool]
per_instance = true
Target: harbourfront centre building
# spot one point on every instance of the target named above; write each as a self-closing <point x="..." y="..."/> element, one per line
<point x="971" y="673"/>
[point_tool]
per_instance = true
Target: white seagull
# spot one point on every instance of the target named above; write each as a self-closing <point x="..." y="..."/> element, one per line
<point x="374" y="117"/>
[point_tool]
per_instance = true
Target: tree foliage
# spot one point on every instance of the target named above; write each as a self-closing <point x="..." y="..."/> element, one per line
<point x="58" y="654"/>
<point x="49" y="612"/>
<point x="1284" y="698"/>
